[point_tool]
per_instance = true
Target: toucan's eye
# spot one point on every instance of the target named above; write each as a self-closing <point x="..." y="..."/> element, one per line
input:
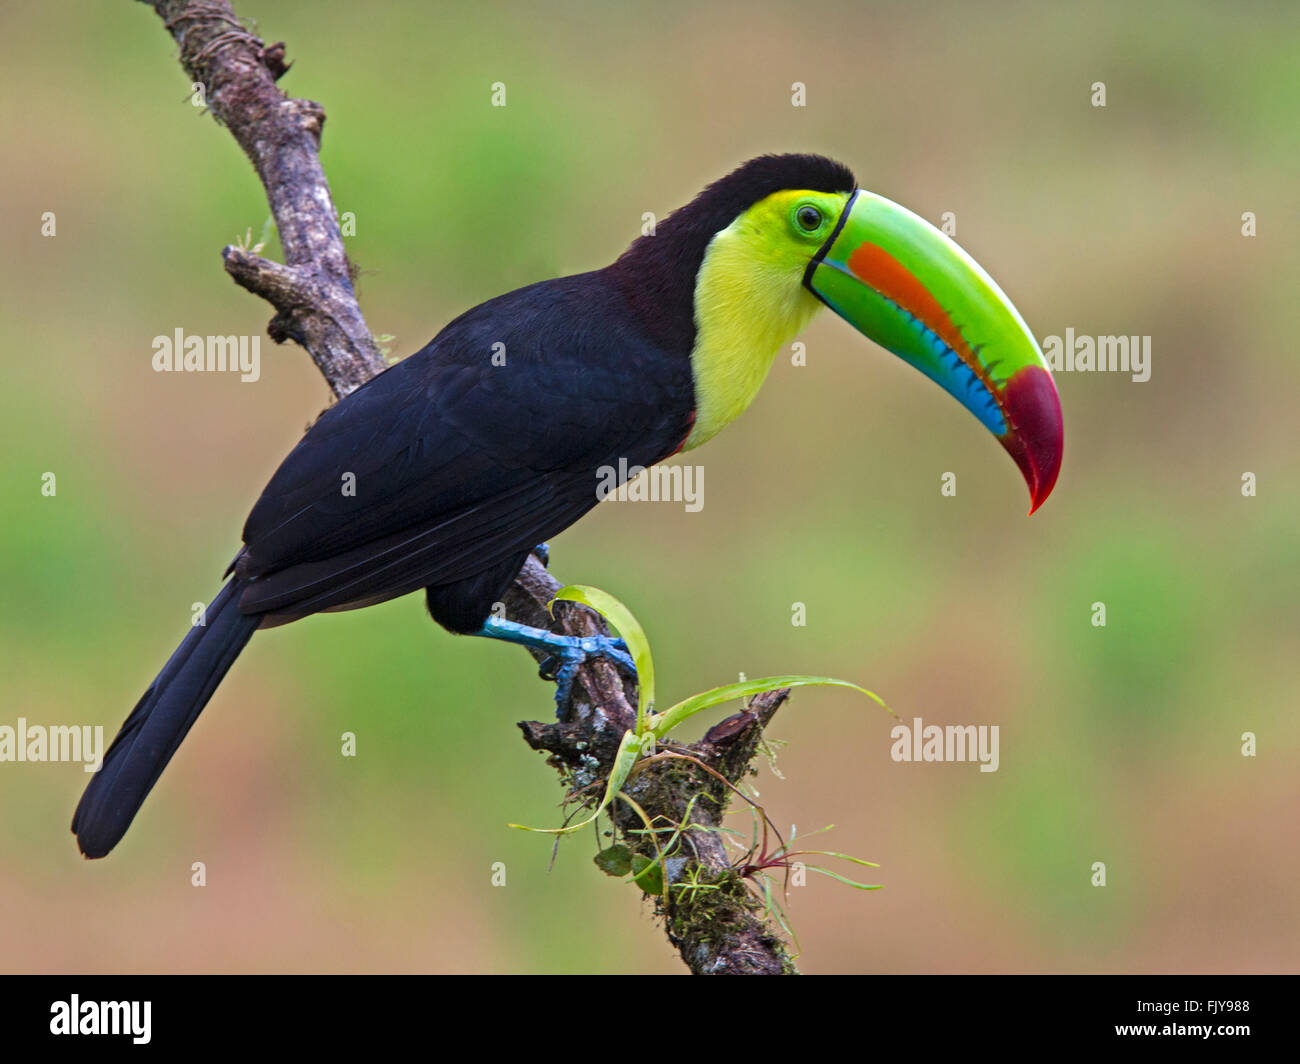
<point x="809" y="218"/>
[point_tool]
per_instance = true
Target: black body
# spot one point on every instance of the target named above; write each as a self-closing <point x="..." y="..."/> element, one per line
<point x="462" y="466"/>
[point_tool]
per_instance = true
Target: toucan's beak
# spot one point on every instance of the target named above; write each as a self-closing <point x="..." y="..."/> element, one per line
<point x="902" y="283"/>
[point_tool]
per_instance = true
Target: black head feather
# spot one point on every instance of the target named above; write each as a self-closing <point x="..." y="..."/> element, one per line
<point x="658" y="272"/>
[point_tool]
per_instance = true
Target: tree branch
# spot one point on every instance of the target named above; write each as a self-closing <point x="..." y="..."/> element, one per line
<point x="710" y="914"/>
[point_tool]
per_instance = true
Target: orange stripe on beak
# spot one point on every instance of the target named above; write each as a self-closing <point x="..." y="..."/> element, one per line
<point x="878" y="268"/>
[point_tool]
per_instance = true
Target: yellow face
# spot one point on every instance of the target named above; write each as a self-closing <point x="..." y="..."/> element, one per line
<point x="750" y="300"/>
<point x="785" y="230"/>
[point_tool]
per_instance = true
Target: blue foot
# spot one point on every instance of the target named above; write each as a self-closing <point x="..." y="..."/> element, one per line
<point x="565" y="653"/>
<point x="543" y="552"/>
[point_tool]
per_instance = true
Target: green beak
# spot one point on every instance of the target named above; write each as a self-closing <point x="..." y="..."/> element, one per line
<point x="902" y="283"/>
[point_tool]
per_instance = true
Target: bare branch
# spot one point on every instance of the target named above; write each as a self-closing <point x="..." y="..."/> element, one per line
<point x="709" y="913"/>
<point x="312" y="292"/>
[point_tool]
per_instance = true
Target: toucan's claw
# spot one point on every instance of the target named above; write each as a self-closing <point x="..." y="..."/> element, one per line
<point x="562" y="666"/>
<point x="614" y="649"/>
<point x="549" y="667"/>
<point x="543" y="552"/>
<point x="566" y="653"/>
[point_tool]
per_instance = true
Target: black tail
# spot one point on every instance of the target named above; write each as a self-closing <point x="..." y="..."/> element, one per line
<point x="160" y="720"/>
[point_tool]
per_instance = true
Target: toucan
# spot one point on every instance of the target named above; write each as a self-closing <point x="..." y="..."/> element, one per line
<point x="443" y="472"/>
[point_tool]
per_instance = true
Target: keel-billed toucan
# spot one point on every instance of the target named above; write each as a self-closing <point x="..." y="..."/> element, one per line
<point x="500" y="432"/>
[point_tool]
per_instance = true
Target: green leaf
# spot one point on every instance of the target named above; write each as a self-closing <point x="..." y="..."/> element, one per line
<point x="842" y="857"/>
<point x="615" y="861"/>
<point x="662" y="723"/>
<point x="845" y="879"/>
<point x="630" y="629"/>
<point x="649" y="875"/>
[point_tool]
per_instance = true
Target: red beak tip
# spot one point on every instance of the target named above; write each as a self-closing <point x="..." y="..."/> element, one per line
<point x="1037" y="436"/>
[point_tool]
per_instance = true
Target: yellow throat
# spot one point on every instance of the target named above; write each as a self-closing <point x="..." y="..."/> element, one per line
<point x="749" y="303"/>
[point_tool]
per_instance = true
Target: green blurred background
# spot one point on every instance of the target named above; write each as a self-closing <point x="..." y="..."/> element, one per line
<point x="1119" y="744"/>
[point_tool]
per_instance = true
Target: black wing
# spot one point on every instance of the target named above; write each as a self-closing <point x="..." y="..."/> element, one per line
<point x="467" y="454"/>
